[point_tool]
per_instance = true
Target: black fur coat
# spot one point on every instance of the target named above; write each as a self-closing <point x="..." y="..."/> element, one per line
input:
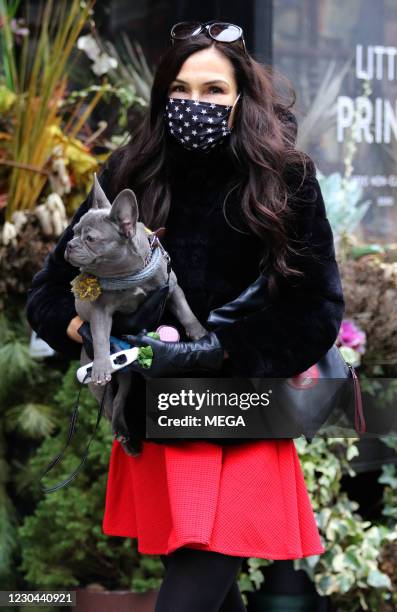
<point x="214" y="263"/>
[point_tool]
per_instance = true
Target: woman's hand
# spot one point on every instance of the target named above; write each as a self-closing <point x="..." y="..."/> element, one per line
<point x="176" y="357"/>
<point x="72" y="328"/>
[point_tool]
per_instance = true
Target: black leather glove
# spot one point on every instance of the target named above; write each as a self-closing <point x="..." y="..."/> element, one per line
<point x="176" y="357"/>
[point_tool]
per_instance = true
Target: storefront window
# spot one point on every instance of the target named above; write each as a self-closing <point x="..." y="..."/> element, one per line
<point x="342" y="60"/>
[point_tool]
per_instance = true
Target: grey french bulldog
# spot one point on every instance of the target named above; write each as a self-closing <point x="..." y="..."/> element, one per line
<point x="109" y="241"/>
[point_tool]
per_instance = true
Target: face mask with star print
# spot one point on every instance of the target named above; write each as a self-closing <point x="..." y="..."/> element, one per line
<point x="196" y="124"/>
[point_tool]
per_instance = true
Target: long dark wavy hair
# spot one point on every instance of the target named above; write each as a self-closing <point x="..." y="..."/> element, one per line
<point x="262" y="140"/>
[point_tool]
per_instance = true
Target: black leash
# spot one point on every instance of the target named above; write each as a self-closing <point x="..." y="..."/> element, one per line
<point x="72" y="427"/>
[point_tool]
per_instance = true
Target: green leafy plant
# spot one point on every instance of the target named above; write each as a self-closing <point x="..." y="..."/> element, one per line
<point x="345" y="208"/>
<point x="24" y="415"/>
<point x="351" y="569"/>
<point x="16" y="365"/>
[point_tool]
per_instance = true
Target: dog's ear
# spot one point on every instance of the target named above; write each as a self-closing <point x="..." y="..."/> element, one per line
<point x="125" y="212"/>
<point x="100" y="199"/>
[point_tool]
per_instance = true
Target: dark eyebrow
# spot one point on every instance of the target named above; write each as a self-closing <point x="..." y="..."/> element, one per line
<point x="207" y="83"/>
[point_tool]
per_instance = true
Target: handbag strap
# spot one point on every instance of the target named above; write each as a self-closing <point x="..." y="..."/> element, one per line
<point x="72" y="427"/>
<point x="359" y="419"/>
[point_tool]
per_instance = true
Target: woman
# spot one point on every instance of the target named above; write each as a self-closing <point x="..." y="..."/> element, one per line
<point x="236" y="199"/>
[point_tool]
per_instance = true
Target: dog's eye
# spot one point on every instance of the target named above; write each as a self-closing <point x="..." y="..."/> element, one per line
<point x="90" y="238"/>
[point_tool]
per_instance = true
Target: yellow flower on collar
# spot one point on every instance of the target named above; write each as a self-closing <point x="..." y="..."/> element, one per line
<point x="86" y="287"/>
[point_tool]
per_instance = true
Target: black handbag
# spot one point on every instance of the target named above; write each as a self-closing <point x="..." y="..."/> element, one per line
<point x="324" y="390"/>
<point x="305" y="406"/>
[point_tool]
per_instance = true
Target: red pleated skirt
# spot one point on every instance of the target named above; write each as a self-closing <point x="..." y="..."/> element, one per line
<point x="249" y="499"/>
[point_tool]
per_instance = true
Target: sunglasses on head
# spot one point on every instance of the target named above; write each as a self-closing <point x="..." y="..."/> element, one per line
<point x="217" y="30"/>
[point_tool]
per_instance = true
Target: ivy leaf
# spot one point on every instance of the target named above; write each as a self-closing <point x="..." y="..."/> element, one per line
<point x="378" y="579"/>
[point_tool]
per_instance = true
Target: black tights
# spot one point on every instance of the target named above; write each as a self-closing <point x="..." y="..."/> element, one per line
<point x="197" y="580"/>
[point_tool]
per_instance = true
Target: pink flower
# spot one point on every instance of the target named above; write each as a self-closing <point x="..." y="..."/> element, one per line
<point x="352" y="336"/>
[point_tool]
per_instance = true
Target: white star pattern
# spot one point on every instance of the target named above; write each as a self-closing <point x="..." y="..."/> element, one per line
<point x="197" y="131"/>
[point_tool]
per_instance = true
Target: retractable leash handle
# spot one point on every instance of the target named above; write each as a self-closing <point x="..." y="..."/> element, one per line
<point x="122" y="359"/>
<point x="119" y="360"/>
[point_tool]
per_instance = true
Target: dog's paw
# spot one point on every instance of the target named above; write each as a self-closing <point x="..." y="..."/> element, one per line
<point x="127" y="444"/>
<point x="129" y="449"/>
<point x="101" y="371"/>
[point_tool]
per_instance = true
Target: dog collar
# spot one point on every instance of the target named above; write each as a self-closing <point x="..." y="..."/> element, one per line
<point x="151" y="264"/>
<point x="88" y="287"/>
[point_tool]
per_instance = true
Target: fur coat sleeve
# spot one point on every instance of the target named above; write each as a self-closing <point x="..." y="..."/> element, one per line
<point x="50" y="304"/>
<point x="292" y="332"/>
